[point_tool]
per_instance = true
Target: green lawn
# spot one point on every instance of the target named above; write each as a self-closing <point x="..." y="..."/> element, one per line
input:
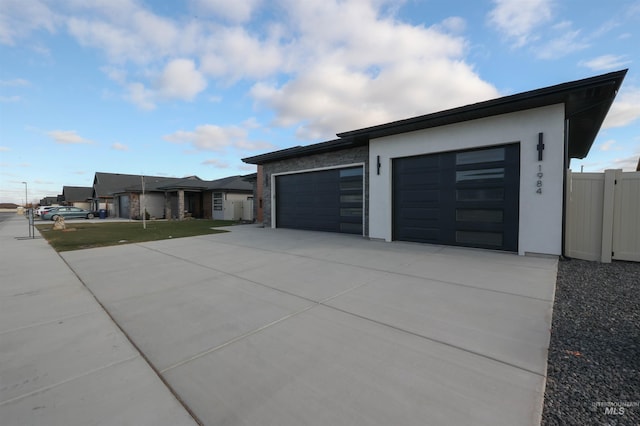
<point x="81" y="235"/>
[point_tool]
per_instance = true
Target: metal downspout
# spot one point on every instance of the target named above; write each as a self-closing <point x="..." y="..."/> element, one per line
<point x="567" y="163"/>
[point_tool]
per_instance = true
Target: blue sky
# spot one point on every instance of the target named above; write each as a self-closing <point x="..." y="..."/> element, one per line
<point x="180" y="88"/>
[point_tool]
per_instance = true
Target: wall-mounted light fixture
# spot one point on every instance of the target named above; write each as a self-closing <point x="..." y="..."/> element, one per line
<point x="540" y="146"/>
<point x="378" y="159"/>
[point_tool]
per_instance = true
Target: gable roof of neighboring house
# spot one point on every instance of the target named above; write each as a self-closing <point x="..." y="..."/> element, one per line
<point x="47" y="201"/>
<point x="231" y="183"/>
<point x="188" y="183"/>
<point x="108" y="184"/>
<point x="586" y="103"/>
<point x="77" y="193"/>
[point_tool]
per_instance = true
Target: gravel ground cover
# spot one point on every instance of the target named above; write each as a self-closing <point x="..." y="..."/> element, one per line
<point x="593" y="373"/>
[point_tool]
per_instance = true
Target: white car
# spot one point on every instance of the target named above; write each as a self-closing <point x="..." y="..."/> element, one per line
<point x="43" y="209"/>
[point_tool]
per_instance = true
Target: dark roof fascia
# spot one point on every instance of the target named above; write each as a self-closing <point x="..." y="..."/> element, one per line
<point x="298" y="151"/>
<point x="572" y="94"/>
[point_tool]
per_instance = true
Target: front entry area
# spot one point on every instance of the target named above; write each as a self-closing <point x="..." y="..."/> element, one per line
<point x="326" y="200"/>
<point x="464" y="198"/>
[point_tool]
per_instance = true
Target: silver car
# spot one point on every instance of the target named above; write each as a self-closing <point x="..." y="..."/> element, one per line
<point x="67" y="213"/>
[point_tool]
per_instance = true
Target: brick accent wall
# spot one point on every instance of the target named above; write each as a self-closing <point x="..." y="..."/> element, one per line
<point x="329" y="159"/>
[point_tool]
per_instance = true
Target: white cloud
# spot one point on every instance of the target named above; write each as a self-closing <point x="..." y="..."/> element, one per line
<point x="181" y="80"/>
<point x="625" y="109"/>
<point x="119" y="147"/>
<point x="605" y="62"/>
<point x="333" y="99"/>
<point x="123" y="30"/>
<point x="628" y="164"/>
<point x="8" y="99"/>
<point x="18" y="18"/>
<point x="219" y="164"/>
<point x="253" y="145"/>
<point x="16" y="82"/>
<point x="607" y="145"/>
<point x="247" y="167"/>
<point x="140" y="96"/>
<point x="209" y="137"/>
<point x="563" y="41"/>
<point x="315" y="67"/>
<point x="518" y="19"/>
<point x="233" y="53"/>
<point x="68" y="137"/>
<point x="358" y="75"/>
<point x="235" y="11"/>
<point x="454" y="24"/>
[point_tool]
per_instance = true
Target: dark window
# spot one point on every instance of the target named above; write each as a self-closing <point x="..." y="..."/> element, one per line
<point x="480" y="156"/>
<point x="479" y="215"/>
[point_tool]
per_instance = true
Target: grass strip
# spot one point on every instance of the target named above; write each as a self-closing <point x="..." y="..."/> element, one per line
<point x="79" y="235"/>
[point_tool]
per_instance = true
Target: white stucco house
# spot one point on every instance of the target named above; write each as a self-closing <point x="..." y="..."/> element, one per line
<point x="488" y="175"/>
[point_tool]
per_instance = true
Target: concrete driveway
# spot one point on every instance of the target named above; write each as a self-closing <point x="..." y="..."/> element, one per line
<point x="281" y="327"/>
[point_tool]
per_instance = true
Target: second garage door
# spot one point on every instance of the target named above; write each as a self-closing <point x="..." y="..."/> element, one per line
<point x="466" y="198"/>
<point x="326" y="200"/>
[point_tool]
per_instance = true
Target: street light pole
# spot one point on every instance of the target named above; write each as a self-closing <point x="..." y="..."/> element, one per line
<point x="25" y="194"/>
<point x="32" y="232"/>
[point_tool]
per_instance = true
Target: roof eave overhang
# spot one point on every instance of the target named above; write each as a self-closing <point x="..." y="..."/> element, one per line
<point x="319" y="148"/>
<point x="586" y="103"/>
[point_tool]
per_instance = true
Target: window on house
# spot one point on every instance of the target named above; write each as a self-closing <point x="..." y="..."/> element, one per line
<point x="217" y="201"/>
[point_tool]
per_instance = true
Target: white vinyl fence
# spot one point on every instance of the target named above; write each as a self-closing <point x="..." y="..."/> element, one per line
<point x="603" y="216"/>
<point x="238" y="210"/>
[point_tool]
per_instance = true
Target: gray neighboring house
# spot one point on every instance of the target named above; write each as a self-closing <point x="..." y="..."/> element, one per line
<point x="487" y="175"/>
<point x="171" y="198"/>
<point x="51" y="200"/>
<point x="231" y="198"/>
<point x="78" y="196"/>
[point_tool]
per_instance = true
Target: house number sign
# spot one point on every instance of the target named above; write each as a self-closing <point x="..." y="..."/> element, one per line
<point x="540" y="174"/>
<point x="539" y="181"/>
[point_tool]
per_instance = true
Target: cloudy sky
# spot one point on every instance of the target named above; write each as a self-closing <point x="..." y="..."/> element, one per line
<point x="179" y="88"/>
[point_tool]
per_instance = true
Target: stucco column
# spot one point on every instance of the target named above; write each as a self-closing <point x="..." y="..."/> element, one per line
<point x="181" y="204"/>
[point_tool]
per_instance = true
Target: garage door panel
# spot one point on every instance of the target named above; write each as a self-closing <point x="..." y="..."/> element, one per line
<point x="465" y="198"/>
<point x="421" y="235"/>
<point x="419" y="197"/>
<point x="327" y="200"/>
<point x="419" y="215"/>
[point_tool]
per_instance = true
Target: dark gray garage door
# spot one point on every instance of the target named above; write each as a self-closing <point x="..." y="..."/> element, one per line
<point x="327" y="200"/>
<point x="466" y="198"/>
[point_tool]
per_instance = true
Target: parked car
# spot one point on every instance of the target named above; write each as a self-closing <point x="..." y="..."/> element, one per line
<point x="68" y="213"/>
<point x="40" y="210"/>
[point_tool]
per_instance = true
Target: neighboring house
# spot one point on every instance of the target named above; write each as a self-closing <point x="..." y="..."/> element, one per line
<point x="118" y="193"/>
<point x="231" y="198"/>
<point x="488" y="175"/>
<point x="78" y="196"/>
<point x="129" y="196"/>
<point x="50" y="201"/>
<point x="161" y="197"/>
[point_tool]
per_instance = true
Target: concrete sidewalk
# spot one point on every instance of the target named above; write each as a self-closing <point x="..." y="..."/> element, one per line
<point x="63" y="361"/>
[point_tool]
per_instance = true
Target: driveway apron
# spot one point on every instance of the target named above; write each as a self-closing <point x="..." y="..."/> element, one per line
<point x="283" y="327"/>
